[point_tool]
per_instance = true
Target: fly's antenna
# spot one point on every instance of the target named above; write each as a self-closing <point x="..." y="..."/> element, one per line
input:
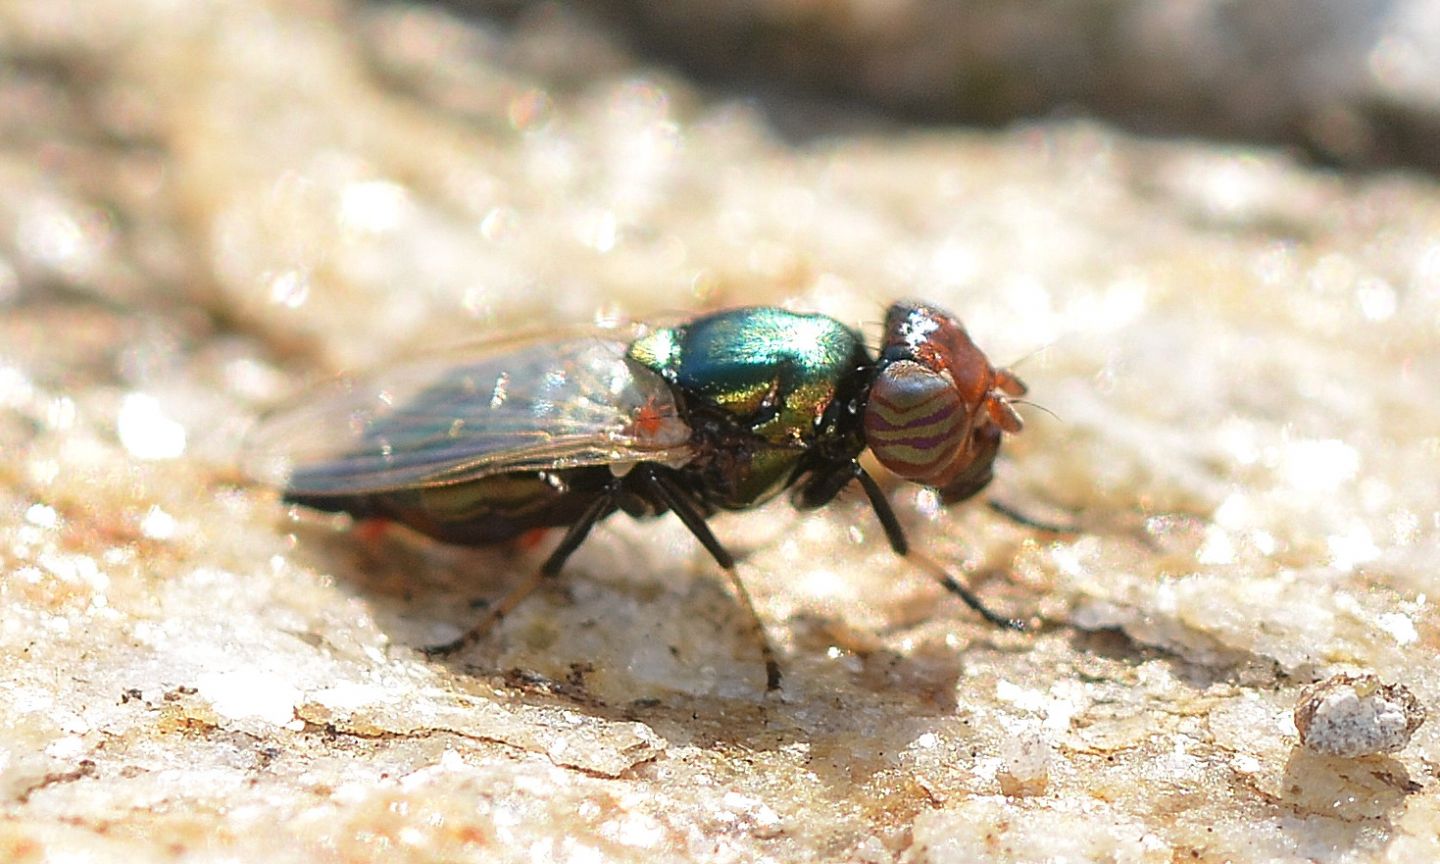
<point x="1042" y="349"/>
<point x="1014" y="401"/>
<point x="867" y="327"/>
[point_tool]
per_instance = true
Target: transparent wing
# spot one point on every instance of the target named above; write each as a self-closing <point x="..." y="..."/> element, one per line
<point x="517" y="405"/>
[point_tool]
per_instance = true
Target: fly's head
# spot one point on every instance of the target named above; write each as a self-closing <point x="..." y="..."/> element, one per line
<point x="937" y="409"/>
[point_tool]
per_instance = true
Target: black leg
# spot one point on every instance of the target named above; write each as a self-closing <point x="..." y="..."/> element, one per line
<point x="893" y="532"/>
<point x="820" y="489"/>
<point x="680" y="504"/>
<point x="896" y="536"/>
<point x="678" y="501"/>
<point x="1027" y="521"/>
<point x="601" y="507"/>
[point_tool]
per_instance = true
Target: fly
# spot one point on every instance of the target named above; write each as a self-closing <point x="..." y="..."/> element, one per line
<point x="721" y="413"/>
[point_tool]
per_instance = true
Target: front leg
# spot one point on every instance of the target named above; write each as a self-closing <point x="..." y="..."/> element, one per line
<point x="896" y="535"/>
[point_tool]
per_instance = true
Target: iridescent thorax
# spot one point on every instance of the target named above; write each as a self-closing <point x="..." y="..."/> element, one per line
<point x="771" y="372"/>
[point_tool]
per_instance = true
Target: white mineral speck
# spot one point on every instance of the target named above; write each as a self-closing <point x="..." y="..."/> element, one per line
<point x="15" y="387"/>
<point x="348" y="696"/>
<point x="50" y="233"/>
<point x="1318" y="466"/>
<point x="1353" y="547"/>
<point x="243" y="694"/>
<point x="1025" y="765"/>
<point x="374" y="206"/>
<point x="42" y="516"/>
<point x="60" y="414"/>
<point x="1218" y="547"/>
<point x="1377" y="299"/>
<point x="158" y="525"/>
<point x="290" y="289"/>
<point x="1356" y="715"/>
<point x="1399" y="626"/>
<point x="1020" y="697"/>
<point x="68" y="747"/>
<point x="146" y="431"/>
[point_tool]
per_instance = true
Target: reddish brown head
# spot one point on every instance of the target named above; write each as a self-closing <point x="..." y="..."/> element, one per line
<point x="937" y="407"/>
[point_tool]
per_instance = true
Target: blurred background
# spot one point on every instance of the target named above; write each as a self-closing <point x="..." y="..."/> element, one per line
<point x="204" y="146"/>
<point x="1353" y="83"/>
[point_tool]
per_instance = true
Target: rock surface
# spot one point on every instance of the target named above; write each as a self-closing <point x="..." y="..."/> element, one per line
<point x="210" y="203"/>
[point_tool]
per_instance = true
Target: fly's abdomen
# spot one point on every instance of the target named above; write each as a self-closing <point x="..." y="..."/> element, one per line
<point x="478" y="512"/>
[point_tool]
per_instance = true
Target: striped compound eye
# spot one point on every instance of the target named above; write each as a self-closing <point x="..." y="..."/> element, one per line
<point x="915" y="421"/>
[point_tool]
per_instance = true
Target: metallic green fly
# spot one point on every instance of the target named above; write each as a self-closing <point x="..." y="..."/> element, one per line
<point x="723" y="412"/>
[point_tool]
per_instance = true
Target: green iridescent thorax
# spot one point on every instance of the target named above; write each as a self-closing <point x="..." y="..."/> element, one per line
<point x="774" y="371"/>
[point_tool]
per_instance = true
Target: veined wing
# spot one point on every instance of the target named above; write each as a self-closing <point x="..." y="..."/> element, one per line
<point x="515" y="406"/>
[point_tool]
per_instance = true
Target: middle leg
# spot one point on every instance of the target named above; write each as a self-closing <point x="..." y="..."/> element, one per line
<point x="679" y="502"/>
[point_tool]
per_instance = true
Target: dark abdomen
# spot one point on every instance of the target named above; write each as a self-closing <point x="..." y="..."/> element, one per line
<point x="479" y="512"/>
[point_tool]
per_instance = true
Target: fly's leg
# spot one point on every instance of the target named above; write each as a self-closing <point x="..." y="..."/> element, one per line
<point x="679" y="502"/>
<point x="1021" y="518"/>
<point x="496" y="612"/>
<point x="896" y="535"/>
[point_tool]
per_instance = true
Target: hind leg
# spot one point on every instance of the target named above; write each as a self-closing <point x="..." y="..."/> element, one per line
<point x="496" y="612"/>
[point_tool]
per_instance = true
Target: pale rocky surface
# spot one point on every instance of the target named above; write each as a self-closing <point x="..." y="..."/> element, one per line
<point x="209" y="203"/>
